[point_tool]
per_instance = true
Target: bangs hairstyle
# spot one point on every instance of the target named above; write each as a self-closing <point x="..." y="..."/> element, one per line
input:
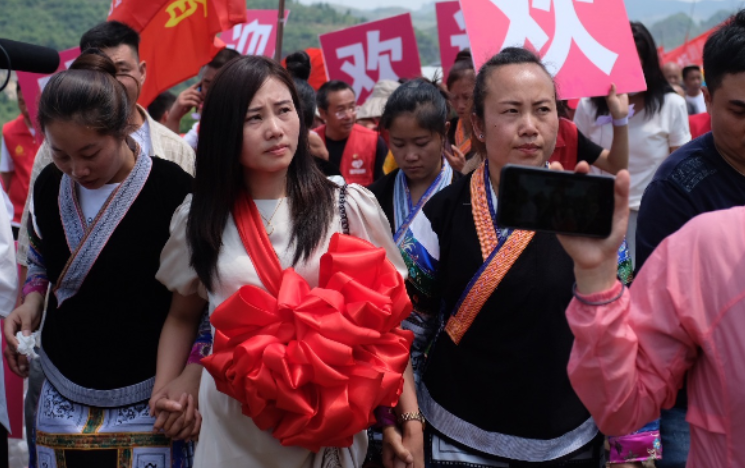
<point x="657" y="85"/>
<point x="422" y="98"/>
<point x="219" y="177"/>
<point x="724" y="52"/>
<point x="87" y="94"/>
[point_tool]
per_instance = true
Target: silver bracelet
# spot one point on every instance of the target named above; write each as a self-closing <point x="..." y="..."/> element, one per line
<point x="590" y="303"/>
<point x="621" y="122"/>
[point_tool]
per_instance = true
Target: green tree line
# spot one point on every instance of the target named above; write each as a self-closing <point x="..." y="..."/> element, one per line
<point x="59" y="24"/>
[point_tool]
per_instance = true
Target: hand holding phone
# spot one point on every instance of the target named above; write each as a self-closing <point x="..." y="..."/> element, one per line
<point x="596" y="260"/>
<point x="537" y="199"/>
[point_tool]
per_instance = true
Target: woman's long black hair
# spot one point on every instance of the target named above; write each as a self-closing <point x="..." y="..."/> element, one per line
<point x="219" y="177"/>
<point x="657" y="85"/>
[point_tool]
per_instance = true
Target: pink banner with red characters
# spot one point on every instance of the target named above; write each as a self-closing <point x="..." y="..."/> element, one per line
<point x="367" y="53"/>
<point x="257" y="36"/>
<point x="32" y="85"/>
<point x="585" y="44"/>
<point x="451" y="31"/>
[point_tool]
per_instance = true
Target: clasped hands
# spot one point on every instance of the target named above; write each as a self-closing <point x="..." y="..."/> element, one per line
<point x="175" y="406"/>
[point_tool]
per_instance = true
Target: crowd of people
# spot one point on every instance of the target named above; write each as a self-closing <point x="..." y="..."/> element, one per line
<point x="300" y="281"/>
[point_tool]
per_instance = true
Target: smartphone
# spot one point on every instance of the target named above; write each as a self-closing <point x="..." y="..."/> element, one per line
<point x="536" y="199"/>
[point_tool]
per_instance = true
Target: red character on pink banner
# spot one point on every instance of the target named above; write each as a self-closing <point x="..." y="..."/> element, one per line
<point x="364" y="54"/>
<point x="257" y="36"/>
<point x="451" y="31"/>
<point x="32" y="85"/>
<point x="585" y="44"/>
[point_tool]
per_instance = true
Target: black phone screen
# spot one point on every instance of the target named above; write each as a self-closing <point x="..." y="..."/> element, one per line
<point x="536" y="199"/>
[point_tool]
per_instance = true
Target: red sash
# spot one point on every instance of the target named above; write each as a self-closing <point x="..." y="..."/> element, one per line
<point x="498" y="260"/>
<point x="312" y="364"/>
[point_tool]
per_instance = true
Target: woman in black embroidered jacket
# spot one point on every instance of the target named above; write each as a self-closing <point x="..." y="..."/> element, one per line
<point x="99" y="220"/>
<point x="494" y="388"/>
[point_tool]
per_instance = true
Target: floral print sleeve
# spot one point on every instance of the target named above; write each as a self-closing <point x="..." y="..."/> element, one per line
<point x="36" y="278"/>
<point x="203" y="345"/>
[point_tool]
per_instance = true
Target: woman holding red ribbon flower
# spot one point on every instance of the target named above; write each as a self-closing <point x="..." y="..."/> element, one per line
<point x="307" y="338"/>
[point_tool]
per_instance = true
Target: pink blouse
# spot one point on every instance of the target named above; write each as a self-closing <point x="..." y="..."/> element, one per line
<point x="684" y="312"/>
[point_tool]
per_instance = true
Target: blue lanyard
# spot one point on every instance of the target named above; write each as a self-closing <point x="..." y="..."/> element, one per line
<point x="413" y="210"/>
<point x="427" y="193"/>
<point x="492" y="211"/>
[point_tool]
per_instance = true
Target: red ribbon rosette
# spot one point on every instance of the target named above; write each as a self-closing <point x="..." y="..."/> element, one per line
<point x="313" y="364"/>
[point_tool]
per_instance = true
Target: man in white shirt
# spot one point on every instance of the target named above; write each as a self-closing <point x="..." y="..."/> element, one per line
<point x="693" y="80"/>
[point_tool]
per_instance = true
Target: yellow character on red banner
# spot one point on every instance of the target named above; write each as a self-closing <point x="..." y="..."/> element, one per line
<point x="186" y="7"/>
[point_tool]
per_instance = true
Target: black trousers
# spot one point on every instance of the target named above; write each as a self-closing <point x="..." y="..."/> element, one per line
<point x="3" y="448"/>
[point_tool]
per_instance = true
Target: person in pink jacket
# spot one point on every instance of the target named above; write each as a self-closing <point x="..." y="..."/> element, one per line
<point x="684" y="313"/>
<point x="684" y="317"/>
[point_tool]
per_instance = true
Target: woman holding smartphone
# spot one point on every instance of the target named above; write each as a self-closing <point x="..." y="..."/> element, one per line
<point x="494" y="389"/>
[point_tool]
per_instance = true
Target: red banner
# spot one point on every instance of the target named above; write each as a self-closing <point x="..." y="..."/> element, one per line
<point x="690" y="53"/>
<point x="451" y="31"/>
<point x="585" y="44"/>
<point x="367" y="53"/>
<point x="257" y="36"/>
<point x="32" y="85"/>
<point x="177" y="37"/>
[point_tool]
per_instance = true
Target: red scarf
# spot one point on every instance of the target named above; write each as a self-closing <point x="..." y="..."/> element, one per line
<point x="312" y="364"/>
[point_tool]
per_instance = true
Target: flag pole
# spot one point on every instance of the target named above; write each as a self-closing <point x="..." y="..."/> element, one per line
<point x="280" y="31"/>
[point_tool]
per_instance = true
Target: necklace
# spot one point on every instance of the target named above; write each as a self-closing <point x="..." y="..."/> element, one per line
<point x="268" y="222"/>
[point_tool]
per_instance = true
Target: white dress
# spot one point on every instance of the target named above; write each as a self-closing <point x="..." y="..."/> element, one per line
<point x="229" y="439"/>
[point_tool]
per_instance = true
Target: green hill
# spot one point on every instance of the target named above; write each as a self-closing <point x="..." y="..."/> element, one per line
<point x="673" y="30"/>
<point x="59" y="24"/>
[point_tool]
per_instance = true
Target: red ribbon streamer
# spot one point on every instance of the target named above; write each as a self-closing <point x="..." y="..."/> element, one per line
<point x="313" y="364"/>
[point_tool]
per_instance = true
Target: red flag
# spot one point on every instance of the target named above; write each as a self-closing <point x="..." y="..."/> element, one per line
<point x="317" y="68"/>
<point x="690" y="53"/>
<point x="177" y="36"/>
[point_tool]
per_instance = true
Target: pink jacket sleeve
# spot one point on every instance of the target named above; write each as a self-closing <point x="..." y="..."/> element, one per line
<point x="630" y="356"/>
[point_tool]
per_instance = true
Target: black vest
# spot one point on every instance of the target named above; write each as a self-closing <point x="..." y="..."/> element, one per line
<point x="106" y="336"/>
<point x="508" y="374"/>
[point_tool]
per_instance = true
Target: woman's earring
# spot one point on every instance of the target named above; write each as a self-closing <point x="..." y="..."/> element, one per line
<point x="481" y="136"/>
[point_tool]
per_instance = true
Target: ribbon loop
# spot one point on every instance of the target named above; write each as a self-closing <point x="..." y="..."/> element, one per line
<point x="313" y="364"/>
